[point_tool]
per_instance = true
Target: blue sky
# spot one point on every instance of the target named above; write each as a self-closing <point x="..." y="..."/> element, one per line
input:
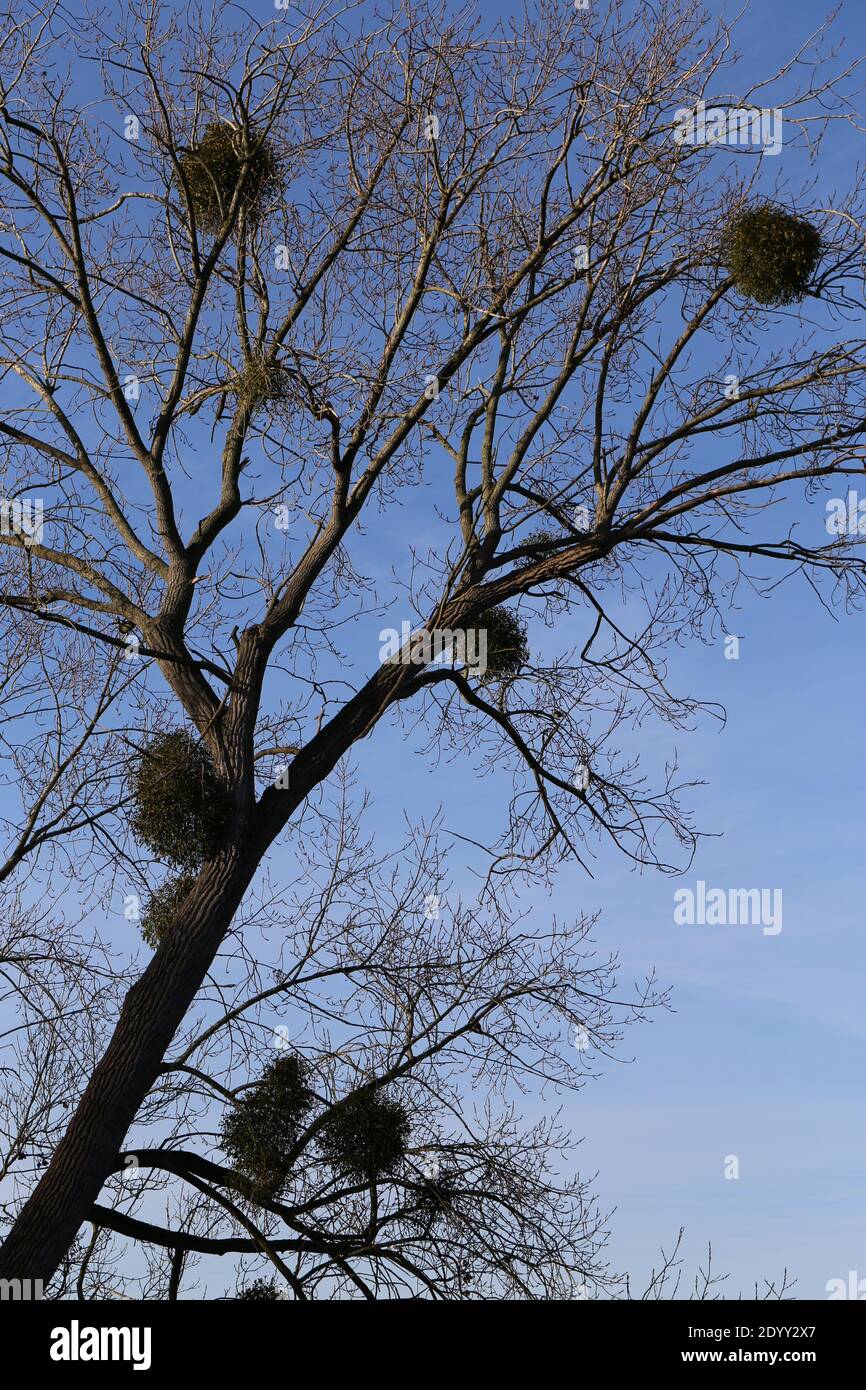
<point x="763" y="1055"/>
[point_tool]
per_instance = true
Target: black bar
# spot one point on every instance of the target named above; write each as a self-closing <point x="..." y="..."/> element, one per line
<point x="254" y="1342"/>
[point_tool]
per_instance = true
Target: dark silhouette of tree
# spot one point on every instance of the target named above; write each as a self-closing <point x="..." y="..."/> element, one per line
<point x="258" y="281"/>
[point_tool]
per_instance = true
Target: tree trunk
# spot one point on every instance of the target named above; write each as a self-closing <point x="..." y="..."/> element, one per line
<point x="156" y="1004"/>
<point x="152" y="1012"/>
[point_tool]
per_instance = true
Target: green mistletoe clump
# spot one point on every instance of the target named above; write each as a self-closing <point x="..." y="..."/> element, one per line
<point x="263" y="382"/>
<point x="162" y="908"/>
<point x="181" y="808"/>
<point x="771" y="254"/>
<point x="212" y="170"/>
<point x="261" y="1291"/>
<point x="536" y="543"/>
<point x="507" y="643"/>
<point x="262" y="1128"/>
<point x="365" y="1138"/>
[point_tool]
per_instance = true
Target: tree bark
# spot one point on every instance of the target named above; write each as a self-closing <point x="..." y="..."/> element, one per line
<point x="152" y="1012"/>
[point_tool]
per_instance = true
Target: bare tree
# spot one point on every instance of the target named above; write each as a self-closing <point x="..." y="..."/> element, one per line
<point x="340" y="252"/>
